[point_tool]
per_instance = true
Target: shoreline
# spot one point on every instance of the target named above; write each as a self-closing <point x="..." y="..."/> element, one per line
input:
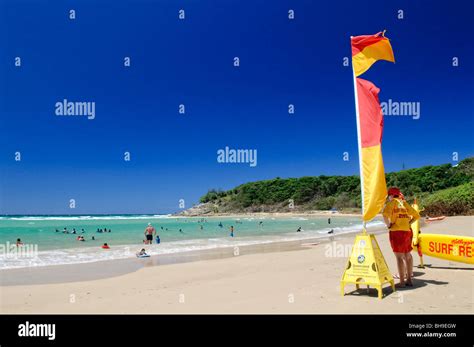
<point x="79" y="272"/>
<point x="274" y="281"/>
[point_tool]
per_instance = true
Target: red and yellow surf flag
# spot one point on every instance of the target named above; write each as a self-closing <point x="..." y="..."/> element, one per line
<point x="374" y="189"/>
<point x="367" y="49"/>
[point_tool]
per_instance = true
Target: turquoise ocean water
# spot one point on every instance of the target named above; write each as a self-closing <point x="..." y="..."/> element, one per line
<point x="45" y="246"/>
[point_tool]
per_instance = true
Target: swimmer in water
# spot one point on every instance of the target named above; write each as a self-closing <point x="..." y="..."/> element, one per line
<point x="149" y="233"/>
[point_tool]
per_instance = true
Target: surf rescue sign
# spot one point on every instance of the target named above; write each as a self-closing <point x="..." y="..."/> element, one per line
<point x="449" y="247"/>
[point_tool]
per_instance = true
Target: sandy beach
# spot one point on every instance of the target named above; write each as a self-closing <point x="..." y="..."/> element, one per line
<point x="275" y="279"/>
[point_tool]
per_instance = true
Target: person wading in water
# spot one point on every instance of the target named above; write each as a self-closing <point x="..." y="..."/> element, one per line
<point x="149" y="234"/>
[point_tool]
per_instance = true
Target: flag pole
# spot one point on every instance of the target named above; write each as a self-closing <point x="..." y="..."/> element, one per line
<point x="359" y="142"/>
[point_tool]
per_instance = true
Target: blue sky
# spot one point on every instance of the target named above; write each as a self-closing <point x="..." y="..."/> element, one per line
<point x="173" y="156"/>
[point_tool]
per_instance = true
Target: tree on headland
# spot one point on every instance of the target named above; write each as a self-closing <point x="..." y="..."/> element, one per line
<point x="343" y="192"/>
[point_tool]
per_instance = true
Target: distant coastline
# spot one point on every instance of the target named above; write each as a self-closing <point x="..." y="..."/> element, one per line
<point x="205" y="210"/>
<point x="439" y="190"/>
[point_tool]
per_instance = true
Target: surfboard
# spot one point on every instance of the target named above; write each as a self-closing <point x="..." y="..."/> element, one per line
<point x="143" y="256"/>
<point x="309" y="244"/>
<point x="448" y="247"/>
<point x="434" y="219"/>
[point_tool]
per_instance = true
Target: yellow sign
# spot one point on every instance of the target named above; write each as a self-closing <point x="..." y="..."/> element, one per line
<point x="448" y="247"/>
<point x="367" y="265"/>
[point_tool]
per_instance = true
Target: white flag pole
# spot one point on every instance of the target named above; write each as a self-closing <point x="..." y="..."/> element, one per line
<point x="359" y="139"/>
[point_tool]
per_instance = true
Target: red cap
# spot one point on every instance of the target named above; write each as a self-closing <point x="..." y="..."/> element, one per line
<point x="394" y="191"/>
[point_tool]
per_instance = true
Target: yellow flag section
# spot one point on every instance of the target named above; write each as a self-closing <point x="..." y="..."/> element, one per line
<point x="367" y="266"/>
<point x="374" y="186"/>
<point x="448" y="247"/>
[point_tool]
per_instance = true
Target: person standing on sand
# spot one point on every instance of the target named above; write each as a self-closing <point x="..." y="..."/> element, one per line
<point x="149" y="233"/>
<point x="398" y="216"/>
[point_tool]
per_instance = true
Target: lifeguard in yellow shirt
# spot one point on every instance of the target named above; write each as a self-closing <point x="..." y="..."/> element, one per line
<point x="398" y="216"/>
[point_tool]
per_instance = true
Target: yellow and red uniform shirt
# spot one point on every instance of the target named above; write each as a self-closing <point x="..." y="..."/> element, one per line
<point x="400" y="213"/>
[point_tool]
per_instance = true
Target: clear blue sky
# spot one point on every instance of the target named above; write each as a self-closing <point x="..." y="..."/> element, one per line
<point x="191" y="62"/>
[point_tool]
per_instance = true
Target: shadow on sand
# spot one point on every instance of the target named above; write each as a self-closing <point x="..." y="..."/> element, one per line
<point x="449" y="268"/>
<point x="387" y="289"/>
